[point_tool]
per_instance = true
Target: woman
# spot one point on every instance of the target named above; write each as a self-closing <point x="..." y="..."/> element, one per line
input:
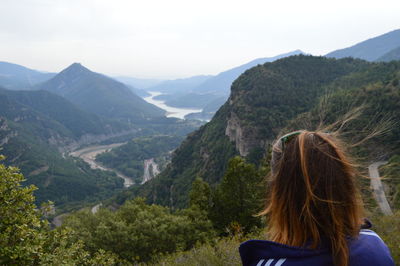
<point x="314" y="210"/>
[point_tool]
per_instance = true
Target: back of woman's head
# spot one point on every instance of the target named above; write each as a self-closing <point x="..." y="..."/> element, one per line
<point x="313" y="194"/>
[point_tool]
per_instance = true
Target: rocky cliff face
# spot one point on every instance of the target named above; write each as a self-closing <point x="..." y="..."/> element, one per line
<point x="245" y="138"/>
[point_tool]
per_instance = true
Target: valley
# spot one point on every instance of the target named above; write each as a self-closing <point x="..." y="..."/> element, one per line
<point x="151" y="169"/>
<point x="89" y="154"/>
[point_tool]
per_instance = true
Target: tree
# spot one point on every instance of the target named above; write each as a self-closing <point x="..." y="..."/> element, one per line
<point x="200" y="194"/>
<point x="239" y="197"/>
<point x="25" y="239"/>
<point x="139" y="232"/>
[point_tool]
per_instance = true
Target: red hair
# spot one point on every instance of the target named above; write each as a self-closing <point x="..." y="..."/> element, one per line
<point x="313" y="194"/>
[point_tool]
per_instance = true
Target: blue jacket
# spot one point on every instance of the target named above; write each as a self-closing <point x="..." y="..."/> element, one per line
<point x="367" y="249"/>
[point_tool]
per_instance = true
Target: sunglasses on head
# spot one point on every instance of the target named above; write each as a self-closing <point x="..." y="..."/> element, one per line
<point x="288" y="137"/>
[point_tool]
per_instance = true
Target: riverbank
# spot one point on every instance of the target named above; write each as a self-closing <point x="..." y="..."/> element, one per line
<point x="170" y="111"/>
<point x="89" y="154"/>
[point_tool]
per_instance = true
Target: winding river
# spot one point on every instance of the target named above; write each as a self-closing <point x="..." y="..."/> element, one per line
<point x="171" y="111"/>
<point x="89" y="155"/>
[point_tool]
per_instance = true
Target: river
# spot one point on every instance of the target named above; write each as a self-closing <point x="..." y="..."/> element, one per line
<point x="171" y="111"/>
<point x="89" y="155"/>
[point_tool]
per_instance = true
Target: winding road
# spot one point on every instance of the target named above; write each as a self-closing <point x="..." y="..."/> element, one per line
<point x="377" y="188"/>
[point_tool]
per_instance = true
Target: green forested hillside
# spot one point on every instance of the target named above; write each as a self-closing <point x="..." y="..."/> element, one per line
<point x="200" y="154"/>
<point x="263" y="99"/>
<point x="100" y="95"/>
<point x="34" y="125"/>
<point x="263" y="102"/>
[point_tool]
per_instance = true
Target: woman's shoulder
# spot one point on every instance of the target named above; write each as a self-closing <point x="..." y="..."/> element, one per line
<point x="367" y="249"/>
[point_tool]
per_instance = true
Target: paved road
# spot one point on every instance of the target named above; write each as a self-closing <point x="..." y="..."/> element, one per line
<point x="377" y="188"/>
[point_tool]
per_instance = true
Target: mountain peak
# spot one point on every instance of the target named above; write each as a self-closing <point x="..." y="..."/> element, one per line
<point x="75" y="68"/>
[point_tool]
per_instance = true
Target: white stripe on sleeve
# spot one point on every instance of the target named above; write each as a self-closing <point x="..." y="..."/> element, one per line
<point x="260" y="263"/>
<point x="370" y="233"/>
<point x="269" y="262"/>
<point x="280" y="262"/>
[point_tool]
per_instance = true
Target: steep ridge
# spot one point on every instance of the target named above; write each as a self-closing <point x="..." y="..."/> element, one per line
<point x="17" y="77"/>
<point x="213" y="92"/>
<point x="262" y="101"/>
<point x="371" y="49"/>
<point x="100" y="95"/>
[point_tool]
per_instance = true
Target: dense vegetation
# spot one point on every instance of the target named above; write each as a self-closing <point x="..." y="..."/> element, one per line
<point x="139" y="232"/>
<point x="26" y="239"/>
<point x="36" y="127"/>
<point x="128" y="159"/>
<point x="263" y="100"/>
<point x="199" y="155"/>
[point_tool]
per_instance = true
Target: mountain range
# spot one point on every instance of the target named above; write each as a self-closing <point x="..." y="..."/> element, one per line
<point x="372" y="49"/>
<point x="100" y="95"/>
<point x="17" y="77"/>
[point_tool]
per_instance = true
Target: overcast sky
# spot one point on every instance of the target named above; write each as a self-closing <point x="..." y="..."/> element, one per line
<point x="181" y="38"/>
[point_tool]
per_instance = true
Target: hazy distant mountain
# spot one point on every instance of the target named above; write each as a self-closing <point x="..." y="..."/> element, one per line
<point x="392" y="55"/>
<point x="74" y="122"/>
<point x="371" y="49"/>
<point x="16" y="77"/>
<point x="101" y="95"/>
<point x="222" y="82"/>
<point x="183" y="85"/>
<point x="139" y="83"/>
